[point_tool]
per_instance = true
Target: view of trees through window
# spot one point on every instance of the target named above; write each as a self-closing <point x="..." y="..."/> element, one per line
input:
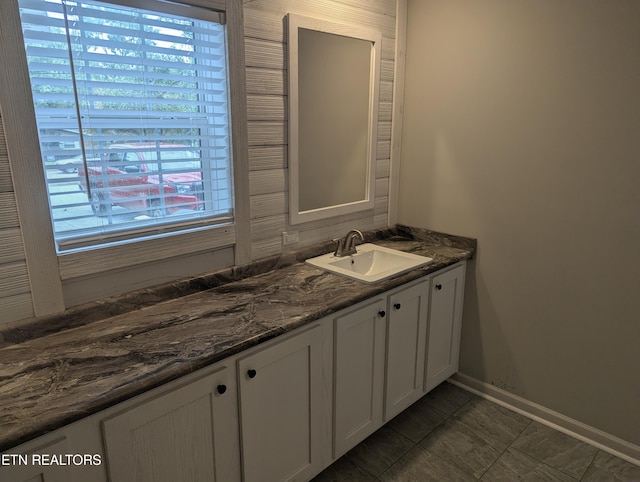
<point x="132" y="113"/>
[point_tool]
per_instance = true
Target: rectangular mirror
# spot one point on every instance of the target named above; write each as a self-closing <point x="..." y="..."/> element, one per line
<point x="334" y="76"/>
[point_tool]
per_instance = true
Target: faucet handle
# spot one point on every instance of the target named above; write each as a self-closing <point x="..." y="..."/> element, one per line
<point x="339" y="246"/>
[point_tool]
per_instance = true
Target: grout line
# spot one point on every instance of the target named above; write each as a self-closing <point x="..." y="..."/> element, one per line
<point x="451" y="418"/>
<point x="592" y="462"/>
<point x="542" y="462"/>
<point x="509" y="446"/>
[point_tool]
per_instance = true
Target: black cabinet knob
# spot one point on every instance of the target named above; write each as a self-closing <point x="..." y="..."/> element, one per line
<point x="397" y="306"/>
<point x="221" y="389"/>
<point x="381" y="313"/>
<point x="438" y="287"/>
<point x="252" y="373"/>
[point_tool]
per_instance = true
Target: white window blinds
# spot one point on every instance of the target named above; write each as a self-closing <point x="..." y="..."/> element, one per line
<point x="132" y="111"/>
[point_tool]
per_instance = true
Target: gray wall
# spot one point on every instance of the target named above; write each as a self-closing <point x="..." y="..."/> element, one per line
<point x="522" y="128"/>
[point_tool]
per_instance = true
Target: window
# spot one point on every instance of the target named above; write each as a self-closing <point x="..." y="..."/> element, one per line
<point x="133" y="118"/>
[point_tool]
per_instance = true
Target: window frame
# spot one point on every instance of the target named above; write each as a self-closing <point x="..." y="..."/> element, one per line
<point x="120" y="104"/>
<point x="49" y="270"/>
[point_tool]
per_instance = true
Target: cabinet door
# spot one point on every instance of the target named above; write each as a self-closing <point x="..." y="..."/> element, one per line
<point x="188" y="434"/>
<point x="406" y="343"/>
<point x="281" y="409"/>
<point x="445" y="323"/>
<point x="358" y="374"/>
<point x="25" y="466"/>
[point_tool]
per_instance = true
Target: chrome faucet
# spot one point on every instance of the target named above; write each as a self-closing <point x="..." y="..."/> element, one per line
<point x="347" y="246"/>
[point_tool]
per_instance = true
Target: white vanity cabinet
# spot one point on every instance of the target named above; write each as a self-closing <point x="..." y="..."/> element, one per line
<point x="358" y="373"/>
<point x="281" y="408"/>
<point x="280" y="411"/>
<point x="186" y="433"/>
<point x="445" y="325"/>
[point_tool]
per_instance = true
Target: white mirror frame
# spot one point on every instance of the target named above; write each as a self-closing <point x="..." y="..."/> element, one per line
<point x="296" y="22"/>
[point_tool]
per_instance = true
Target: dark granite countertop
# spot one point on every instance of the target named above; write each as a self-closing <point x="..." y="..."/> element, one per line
<point x="59" y="369"/>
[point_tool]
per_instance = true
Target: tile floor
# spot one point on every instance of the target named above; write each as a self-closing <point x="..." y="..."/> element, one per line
<point x="452" y="435"/>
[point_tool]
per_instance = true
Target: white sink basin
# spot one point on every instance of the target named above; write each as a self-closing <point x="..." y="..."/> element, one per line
<point x="372" y="263"/>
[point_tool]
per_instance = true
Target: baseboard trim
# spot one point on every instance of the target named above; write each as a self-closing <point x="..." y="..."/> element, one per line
<point x="591" y="435"/>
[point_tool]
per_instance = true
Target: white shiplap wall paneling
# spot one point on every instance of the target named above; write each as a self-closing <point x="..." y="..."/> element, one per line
<point x="265" y="44"/>
<point x="12" y="246"/>
<point x="16" y="307"/>
<point x="263" y="205"/>
<point x="267" y="133"/>
<point x="266" y="182"/>
<point x="384" y="150"/>
<point x="14" y="279"/>
<point x="266" y="81"/>
<point x="267" y="157"/>
<point x="269" y="227"/>
<point x="15" y="290"/>
<point x="386" y="91"/>
<point x="266" y="107"/>
<point x="265" y="74"/>
<point x="8" y="211"/>
<point x="264" y="54"/>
